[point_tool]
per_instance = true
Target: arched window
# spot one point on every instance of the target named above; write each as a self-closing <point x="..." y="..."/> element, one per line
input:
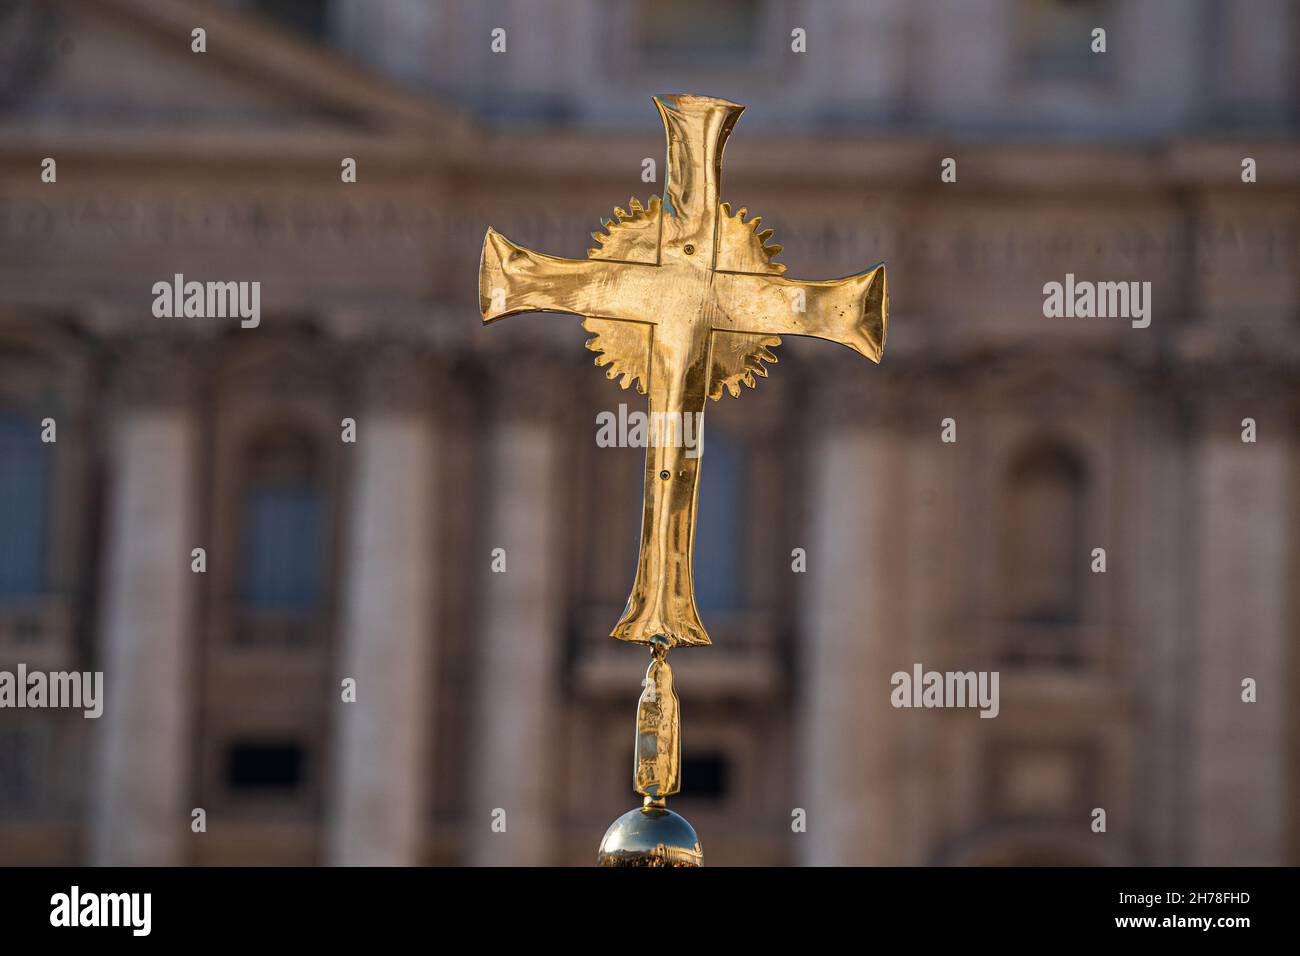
<point x="282" y="506"/>
<point x="720" y="523"/>
<point x="1044" y="556"/>
<point x="23" y="483"/>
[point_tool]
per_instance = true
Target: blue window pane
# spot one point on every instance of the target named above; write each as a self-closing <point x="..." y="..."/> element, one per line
<point x="23" y="465"/>
<point x="281" y="566"/>
<point x="719" y="529"/>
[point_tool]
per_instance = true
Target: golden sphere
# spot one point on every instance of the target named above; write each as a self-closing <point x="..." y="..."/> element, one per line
<point x="650" y="836"/>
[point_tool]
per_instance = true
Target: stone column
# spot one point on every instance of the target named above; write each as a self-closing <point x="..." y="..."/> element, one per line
<point x="1160" y="487"/>
<point x="378" y="801"/>
<point x="516" y="734"/>
<point x="850" y="621"/>
<point x="141" y="814"/>
<point x="1240" y="773"/>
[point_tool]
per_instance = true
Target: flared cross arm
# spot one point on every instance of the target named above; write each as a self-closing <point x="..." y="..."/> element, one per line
<point x="513" y="279"/>
<point x="697" y="128"/>
<point x="851" y="311"/>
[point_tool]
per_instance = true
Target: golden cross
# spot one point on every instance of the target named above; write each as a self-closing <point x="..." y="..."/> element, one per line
<point x="684" y="299"/>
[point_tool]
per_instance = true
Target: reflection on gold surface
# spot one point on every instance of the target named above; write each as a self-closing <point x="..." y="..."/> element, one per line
<point x="683" y="298"/>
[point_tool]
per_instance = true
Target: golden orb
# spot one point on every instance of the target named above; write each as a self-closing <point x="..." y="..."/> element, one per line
<point x="650" y="836"/>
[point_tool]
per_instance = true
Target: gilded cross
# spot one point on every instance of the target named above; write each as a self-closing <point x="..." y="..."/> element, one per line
<point x="682" y="298"/>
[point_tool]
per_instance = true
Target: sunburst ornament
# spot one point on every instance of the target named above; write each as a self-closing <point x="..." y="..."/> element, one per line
<point x="623" y="350"/>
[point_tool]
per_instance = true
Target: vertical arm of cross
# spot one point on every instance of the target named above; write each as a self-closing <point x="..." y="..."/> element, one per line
<point x="853" y="311"/>
<point x="512" y="279"/>
<point x="697" y="128"/>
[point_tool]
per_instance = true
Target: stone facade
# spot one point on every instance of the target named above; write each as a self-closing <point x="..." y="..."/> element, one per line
<point x="483" y="696"/>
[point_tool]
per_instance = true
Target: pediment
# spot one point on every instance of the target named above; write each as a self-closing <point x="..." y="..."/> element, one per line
<point x="128" y="65"/>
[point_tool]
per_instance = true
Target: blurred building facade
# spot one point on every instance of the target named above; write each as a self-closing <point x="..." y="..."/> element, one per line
<point x="327" y="560"/>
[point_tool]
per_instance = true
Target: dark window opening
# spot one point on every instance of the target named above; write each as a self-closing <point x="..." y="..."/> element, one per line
<point x="264" y="766"/>
<point x="705" y="776"/>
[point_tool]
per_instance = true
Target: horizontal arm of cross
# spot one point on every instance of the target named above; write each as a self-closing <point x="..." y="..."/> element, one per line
<point x="852" y="311"/>
<point x="512" y="279"/>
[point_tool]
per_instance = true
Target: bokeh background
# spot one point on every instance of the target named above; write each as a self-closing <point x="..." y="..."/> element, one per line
<point x="493" y="720"/>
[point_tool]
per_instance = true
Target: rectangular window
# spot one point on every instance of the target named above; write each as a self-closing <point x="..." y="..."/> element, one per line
<point x="265" y="766"/>
<point x="705" y="776"/>
<point x="282" y="559"/>
<point x="23" y="483"/>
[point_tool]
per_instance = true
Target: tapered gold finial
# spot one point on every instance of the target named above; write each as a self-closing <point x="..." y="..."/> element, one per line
<point x="657" y="766"/>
